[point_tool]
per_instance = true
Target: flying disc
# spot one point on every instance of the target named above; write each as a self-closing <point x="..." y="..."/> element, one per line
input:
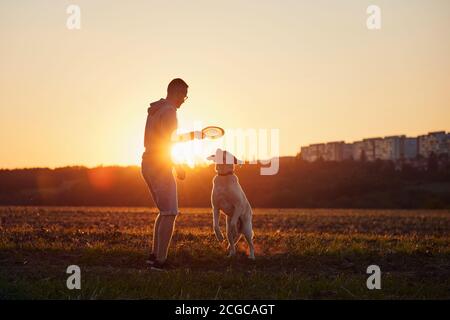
<point x="212" y="132"/>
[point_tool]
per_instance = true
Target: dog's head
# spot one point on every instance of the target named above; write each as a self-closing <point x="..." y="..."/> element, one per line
<point x="225" y="161"/>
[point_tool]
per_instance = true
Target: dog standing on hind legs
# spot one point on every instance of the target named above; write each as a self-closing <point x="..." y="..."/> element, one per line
<point x="227" y="196"/>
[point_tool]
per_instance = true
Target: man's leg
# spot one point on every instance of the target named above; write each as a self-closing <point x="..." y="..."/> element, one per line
<point x="165" y="232"/>
<point x="156" y="236"/>
<point x="165" y="191"/>
<point x="148" y="177"/>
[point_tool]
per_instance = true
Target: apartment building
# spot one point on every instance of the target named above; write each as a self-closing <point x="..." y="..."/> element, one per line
<point x="410" y="148"/>
<point x="357" y="150"/>
<point x="389" y="148"/>
<point x="313" y="152"/>
<point x="392" y="148"/>
<point x="433" y="142"/>
<point x="369" y="148"/>
<point x="334" y="151"/>
<point x="347" y="152"/>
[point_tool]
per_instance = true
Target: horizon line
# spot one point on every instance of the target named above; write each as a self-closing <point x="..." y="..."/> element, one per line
<point x="115" y="165"/>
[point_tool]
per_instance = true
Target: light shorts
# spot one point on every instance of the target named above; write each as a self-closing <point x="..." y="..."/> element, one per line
<point x="162" y="186"/>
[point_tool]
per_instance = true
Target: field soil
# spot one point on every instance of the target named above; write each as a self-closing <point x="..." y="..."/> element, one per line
<point x="300" y="254"/>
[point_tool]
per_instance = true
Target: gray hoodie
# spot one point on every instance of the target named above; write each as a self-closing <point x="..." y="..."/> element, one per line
<point x="161" y="123"/>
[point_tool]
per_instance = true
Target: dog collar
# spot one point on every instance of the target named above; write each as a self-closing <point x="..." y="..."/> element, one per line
<point x="225" y="174"/>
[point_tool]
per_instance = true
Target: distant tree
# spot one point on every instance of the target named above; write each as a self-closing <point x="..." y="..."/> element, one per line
<point x="297" y="184"/>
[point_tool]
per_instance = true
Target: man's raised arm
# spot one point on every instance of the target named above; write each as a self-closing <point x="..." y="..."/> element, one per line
<point x="188" y="136"/>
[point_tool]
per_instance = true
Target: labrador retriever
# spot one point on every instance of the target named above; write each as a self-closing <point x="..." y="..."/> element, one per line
<point x="227" y="196"/>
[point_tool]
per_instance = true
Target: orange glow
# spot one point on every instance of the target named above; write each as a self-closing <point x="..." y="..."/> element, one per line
<point x="187" y="153"/>
<point x="101" y="178"/>
<point x="316" y="77"/>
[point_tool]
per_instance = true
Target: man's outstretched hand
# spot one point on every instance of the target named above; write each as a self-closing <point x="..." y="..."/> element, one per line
<point x="183" y="137"/>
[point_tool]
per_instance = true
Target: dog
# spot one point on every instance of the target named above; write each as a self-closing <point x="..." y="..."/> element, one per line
<point x="227" y="196"/>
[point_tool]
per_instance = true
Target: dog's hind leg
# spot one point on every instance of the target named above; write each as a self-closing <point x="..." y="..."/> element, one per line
<point x="234" y="222"/>
<point x="248" y="234"/>
<point x="231" y="238"/>
<point x="216" y="227"/>
<point x="239" y="235"/>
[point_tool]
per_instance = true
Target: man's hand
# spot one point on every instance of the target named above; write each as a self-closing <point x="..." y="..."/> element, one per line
<point x="181" y="174"/>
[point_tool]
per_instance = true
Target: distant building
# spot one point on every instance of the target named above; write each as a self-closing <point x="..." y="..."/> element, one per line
<point x="318" y="150"/>
<point x="313" y="152"/>
<point x="433" y="142"/>
<point x="410" y="148"/>
<point x="358" y="150"/>
<point x="347" y="152"/>
<point x="334" y="151"/>
<point x="391" y="148"/>
<point x="369" y="148"/>
<point x="305" y="153"/>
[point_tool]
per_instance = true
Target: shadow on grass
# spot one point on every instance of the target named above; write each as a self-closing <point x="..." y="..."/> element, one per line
<point x="114" y="273"/>
<point x="419" y="263"/>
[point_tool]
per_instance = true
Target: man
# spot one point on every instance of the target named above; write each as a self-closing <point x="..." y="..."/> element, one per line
<point x="160" y="132"/>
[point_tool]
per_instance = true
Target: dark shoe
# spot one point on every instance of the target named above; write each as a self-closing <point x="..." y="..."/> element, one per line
<point x="158" y="266"/>
<point x="151" y="259"/>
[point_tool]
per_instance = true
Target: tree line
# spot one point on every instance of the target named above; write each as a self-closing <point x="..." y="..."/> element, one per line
<point x="298" y="184"/>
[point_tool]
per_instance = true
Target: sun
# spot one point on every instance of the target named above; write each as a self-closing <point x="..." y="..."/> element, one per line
<point x="192" y="153"/>
<point x="183" y="153"/>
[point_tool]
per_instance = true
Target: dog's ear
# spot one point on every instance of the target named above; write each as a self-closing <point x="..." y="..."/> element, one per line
<point x="218" y="155"/>
<point x="237" y="161"/>
<point x="228" y="158"/>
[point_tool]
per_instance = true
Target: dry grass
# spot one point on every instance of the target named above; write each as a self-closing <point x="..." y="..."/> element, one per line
<point x="300" y="254"/>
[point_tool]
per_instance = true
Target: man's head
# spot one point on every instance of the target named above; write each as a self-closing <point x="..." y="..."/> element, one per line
<point x="177" y="92"/>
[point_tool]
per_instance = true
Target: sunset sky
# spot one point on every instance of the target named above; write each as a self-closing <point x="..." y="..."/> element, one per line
<point x="308" y="68"/>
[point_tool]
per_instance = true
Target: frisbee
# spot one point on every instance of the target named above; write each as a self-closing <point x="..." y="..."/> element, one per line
<point x="212" y="132"/>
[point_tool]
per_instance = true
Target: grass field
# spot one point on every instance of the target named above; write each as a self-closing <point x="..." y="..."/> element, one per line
<point x="312" y="254"/>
